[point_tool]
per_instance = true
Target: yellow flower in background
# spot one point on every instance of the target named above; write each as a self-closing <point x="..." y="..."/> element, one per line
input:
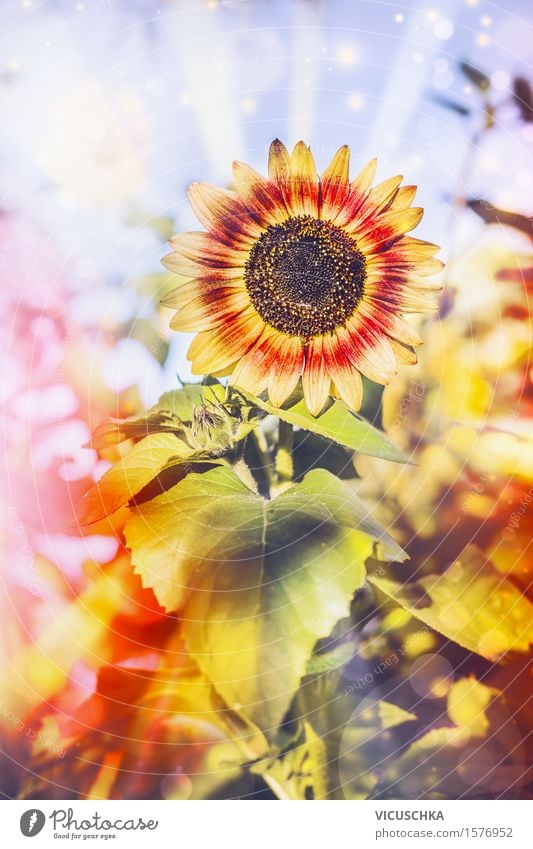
<point x="477" y="359"/>
<point x="465" y="414"/>
<point x="301" y="276"/>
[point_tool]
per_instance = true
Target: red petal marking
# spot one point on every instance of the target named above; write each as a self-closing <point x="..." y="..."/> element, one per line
<point x="334" y="184"/>
<point x="188" y="268"/>
<point x="387" y="281"/>
<point x="262" y="197"/>
<point x="213" y="350"/>
<point x="224" y="214"/>
<point x="377" y="264"/>
<point x="405" y="253"/>
<point x="377" y="201"/>
<point x="388" y="228"/>
<point x="365" y="345"/>
<point x="193" y="288"/>
<point x="202" y="249"/>
<point x="315" y="379"/>
<point x="358" y="191"/>
<point x="407" y="300"/>
<point x="300" y="197"/>
<point x="202" y="313"/>
<point x="299" y="188"/>
<point x="333" y="197"/>
<point x="275" y="361"/>
<point x="252" y="371"/>
<point x="399" y="289"/>
<point x="286" y="369"/>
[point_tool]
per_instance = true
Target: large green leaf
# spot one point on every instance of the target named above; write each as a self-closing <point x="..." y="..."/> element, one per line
<point x="256" y="582"/>
<point x="337" y="423"/>
<point x="471" y="603"/>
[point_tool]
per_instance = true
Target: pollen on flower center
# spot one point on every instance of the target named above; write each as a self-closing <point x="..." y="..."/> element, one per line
<point x="305" y="277"/>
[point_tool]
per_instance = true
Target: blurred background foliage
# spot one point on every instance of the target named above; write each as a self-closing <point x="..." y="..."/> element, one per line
<point x="112" y="109"/>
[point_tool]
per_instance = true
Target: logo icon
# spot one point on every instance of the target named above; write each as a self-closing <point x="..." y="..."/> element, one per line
<point x="32" y="822"/>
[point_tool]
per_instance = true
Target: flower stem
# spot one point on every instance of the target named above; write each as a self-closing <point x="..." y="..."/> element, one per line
<point x="284" y="463"/>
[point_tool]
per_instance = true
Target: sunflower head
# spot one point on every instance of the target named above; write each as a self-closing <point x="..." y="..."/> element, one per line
<point x="301" y="277"/>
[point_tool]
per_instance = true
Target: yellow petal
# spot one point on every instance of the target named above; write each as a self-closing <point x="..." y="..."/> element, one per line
<point x="190" y="268"/>
<point x="223" y="213"/>
<point x="403" y="353"/>
<point x="389" y="226"/>
<point x="286" y="369"/>
<point x="383" y="193"/>
<point x="345" y="376"/>
<point x="189" y="289"/>
<point x="429" y="267"/>
<point x="302" y="163"/>
<point x="203" y="249"/>
<point x="260" y="195"/>
<point x="251" y="372"/>
<point x="371" y="352"/>
<point x="410" y="300"/>
<point x="339" y="167"/>
<point x="279" y="161"/>
<point x="214" y="350"/>
<point x="301" y="191"/>
<point x="404" y="197"/>
<point x="201" y="313"/>
<point x="397" y="328"/>
<point x="365" y="178"/>
<point x="315" y="379"/>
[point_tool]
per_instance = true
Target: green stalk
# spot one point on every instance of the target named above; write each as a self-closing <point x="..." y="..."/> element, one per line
<point x="242" y="471"/>
<point x="284" y="463"/>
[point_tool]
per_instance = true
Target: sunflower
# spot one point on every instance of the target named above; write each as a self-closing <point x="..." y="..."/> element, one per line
<point x="302" y="277"/>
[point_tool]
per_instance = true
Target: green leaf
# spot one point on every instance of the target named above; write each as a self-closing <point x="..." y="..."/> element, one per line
<point x="337" y="423"/>
<point x="366" y="742"/>
<point x="146" y="460"/>
<point x="256" y="582"/>
<point x="311" y="452"/>
<point x="471" y="604"/>
<point x="327" y="661"/>
<point x="301" y="772"/>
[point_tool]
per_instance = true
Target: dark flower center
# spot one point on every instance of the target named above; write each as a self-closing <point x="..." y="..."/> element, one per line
<point x="305" y="277"/>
